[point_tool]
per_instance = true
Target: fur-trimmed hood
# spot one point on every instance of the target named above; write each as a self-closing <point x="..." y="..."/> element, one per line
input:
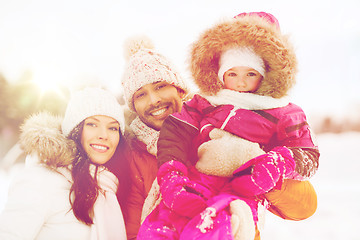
<point x="41" y="134"/>
<point x="253" y="31"/>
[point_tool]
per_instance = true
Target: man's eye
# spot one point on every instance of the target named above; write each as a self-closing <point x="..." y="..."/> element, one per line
<point x="140" y="95"/>
<point x="160" y="86"/>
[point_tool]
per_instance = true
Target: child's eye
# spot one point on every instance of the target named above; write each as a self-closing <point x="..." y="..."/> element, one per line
<point x="251" y="74"/>
<point x="232" y="74"/>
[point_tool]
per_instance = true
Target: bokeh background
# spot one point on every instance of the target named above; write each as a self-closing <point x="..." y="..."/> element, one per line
<point x="48" y="48"/>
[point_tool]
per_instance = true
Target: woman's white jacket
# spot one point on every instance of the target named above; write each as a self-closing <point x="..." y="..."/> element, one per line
<point x="38" y="204"/>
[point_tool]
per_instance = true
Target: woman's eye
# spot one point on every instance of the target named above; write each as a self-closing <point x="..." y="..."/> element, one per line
<point x="114" y="129"/>
<point x="232" y="74"/>
<point x="91" y="124"/>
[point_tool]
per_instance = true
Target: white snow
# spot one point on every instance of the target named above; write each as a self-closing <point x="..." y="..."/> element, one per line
<point x="338" y="189"/>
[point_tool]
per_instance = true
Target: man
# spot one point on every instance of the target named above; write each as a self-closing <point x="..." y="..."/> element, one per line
<point x="153" y="90"/>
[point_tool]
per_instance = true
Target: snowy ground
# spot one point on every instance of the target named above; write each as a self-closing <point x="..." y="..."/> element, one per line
<point x="337" y="183"/>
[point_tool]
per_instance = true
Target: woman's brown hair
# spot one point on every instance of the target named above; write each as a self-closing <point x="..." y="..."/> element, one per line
<point x="85" y="189"/>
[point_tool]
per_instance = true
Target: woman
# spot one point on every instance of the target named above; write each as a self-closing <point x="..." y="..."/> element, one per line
<point x="65" y="190"/>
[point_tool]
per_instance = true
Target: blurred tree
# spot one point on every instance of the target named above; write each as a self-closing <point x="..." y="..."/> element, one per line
<point x="21" y="99"/>
<point x="4" y="102"/>
<point x="26" y="98"/>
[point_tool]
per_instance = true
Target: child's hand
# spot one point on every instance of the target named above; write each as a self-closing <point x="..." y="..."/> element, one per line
<point x="178" y="192"/>
<point x="263" y="173"/>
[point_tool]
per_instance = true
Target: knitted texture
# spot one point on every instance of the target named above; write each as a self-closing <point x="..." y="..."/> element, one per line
<point x="146" y="134"/>
<point x="90" y="102"/>
<point x="146" y="66"/>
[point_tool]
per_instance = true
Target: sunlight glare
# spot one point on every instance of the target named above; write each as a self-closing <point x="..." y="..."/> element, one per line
<point x="48" y="79"/>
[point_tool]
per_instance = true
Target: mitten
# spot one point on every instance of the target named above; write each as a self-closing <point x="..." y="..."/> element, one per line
<point x="225" y="153"/>
<point x="179" y="193"/>
<point x="263" y="173"/>
<point x="242" y="221"/>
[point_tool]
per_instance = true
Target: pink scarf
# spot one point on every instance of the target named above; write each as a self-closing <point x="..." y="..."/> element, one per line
<point x="108" y="219"/>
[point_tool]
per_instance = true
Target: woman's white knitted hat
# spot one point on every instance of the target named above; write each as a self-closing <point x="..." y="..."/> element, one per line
<point x="89" y="102"/>
<point x="145" y="66"/>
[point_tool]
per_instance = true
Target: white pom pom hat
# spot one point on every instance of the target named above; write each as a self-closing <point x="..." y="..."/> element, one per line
<point x="146" y="66"/>
<point x="89" y="102"/>
<point x="242" y="56"/>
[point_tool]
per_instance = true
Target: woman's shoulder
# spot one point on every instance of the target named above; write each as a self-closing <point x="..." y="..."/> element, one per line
<point x="38" y="177"/>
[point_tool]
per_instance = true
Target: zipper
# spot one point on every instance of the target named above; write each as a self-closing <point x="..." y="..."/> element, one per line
<point x="231" y="114"/>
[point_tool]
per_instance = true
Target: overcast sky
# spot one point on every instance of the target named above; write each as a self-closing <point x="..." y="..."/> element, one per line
<point x="74" y="40"/>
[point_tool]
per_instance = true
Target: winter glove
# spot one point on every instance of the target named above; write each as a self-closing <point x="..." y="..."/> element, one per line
<point x="242" y="221"/>
<point x="263" y="173"/>
<point x="225" y="153"/>
<point x="179" y="193"/>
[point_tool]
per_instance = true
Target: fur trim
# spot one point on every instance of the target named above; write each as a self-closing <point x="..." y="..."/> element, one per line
<point x="41" y="135"/>
<point x="248" y="31"/>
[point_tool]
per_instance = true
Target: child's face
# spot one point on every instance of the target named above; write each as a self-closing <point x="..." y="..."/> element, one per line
<point x="242" y="79"/>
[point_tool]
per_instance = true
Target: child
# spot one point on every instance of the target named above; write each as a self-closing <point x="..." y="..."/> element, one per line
<point x="244" y="68"/>
<point x="65" y="191"/>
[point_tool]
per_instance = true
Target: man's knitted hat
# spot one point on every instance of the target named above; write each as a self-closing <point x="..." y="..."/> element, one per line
<point x="145" y="66"/>
<point x="90" y="102"/>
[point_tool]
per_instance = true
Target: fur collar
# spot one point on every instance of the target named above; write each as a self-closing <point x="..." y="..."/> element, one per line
<point x="249" y="101"/>
<point x="266" y="40"/>
<point x="41" y="135"/>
